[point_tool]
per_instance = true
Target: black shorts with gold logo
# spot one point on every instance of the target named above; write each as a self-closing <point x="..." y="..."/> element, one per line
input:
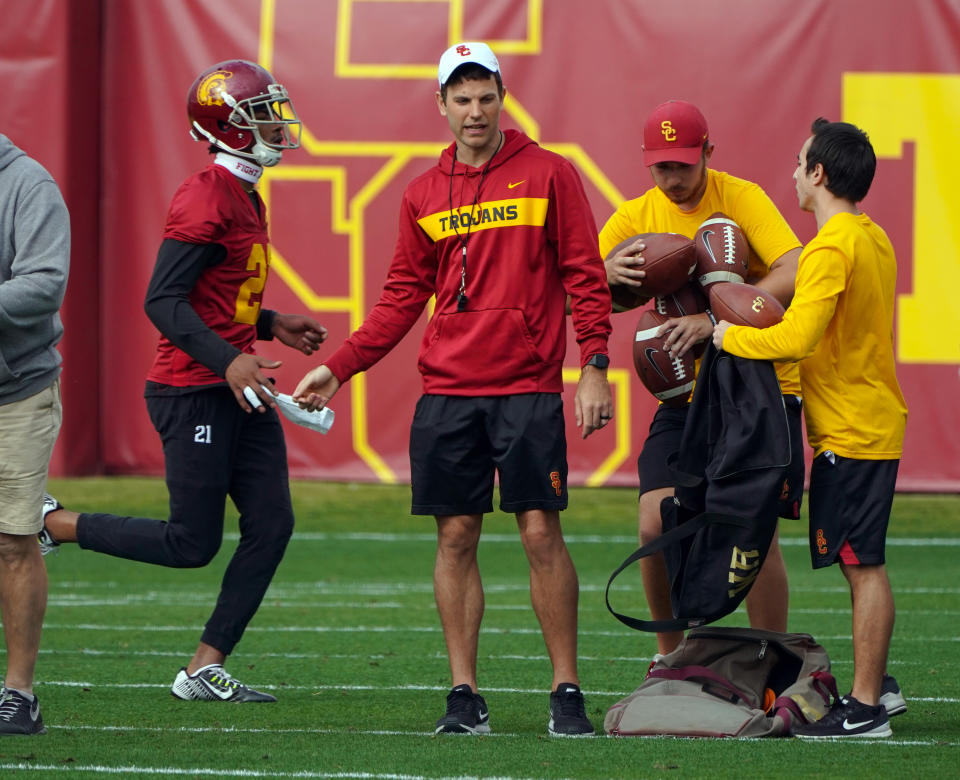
<point x="850" y="503"/>
<point x="458" y="444"/>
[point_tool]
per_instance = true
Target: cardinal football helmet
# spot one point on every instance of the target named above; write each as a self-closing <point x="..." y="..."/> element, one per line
<point x="235" y="103"/>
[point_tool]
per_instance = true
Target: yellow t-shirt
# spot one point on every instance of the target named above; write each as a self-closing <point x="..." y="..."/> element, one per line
<point x="840" y="325"/>
<point x="744" y="202"/>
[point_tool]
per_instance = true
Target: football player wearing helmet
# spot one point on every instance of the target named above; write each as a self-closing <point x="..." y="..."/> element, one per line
<point x="205" y="298"/>
<point x="238" y="108"/>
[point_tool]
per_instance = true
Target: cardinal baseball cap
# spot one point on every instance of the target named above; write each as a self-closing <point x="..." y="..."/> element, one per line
<point x="462" y="53"/>
<point x="674" y="132"/>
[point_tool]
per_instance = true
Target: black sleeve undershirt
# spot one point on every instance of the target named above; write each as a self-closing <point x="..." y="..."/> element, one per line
<point x="179" y="265"/>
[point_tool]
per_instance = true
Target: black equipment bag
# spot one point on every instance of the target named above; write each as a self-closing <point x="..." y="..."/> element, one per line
<point x="730" y="470"/>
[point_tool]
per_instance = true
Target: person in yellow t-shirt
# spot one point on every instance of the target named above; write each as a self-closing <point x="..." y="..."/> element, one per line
<point x="677" y="149"/>
<point x="840" y="327"/>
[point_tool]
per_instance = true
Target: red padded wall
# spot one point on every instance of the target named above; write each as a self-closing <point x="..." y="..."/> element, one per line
<point x="581" y="76"/>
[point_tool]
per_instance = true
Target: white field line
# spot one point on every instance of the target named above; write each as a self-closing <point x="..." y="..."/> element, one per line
<point x="140" y="770"/>
<point x="386" y="733"/>
<point x="178" y="599"/>
<point x="381" y="688"/>
<point x="174" y="599"/>
<point x="397" y="589"/>
<point x="641" y="660"/>
<point x="400" y="630"/>
<point x="339" y="656"/>
<point x="611" y="539"/>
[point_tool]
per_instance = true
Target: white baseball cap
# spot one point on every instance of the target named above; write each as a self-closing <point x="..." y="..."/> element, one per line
<point x="461" y="53"/>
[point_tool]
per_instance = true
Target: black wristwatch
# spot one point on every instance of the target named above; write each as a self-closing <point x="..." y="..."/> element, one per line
<point x="598" y="361"/>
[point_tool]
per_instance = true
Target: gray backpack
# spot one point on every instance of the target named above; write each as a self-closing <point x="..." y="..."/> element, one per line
<point x="729" y="682"/>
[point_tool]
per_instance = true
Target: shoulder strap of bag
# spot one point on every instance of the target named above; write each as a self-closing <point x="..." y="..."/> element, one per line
<point x="674" y="535"/>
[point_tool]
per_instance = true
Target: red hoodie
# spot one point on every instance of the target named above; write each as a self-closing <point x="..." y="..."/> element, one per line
<point x="532" y="242"/>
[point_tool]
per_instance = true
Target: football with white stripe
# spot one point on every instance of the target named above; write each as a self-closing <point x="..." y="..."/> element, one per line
<point x="723" y="253"/>
<point x="669" y="378"/>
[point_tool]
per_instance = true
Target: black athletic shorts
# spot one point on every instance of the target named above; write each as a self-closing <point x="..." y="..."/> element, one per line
<point x="850" y="503"/>
<point x="663" y="439"/>
<point x="666" y="431"/>
<point x="458" y="443"/>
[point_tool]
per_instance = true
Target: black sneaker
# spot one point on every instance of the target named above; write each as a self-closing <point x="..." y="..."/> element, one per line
<point x="47" y="543"/>
<point x="848" y="718"/>
<point x="466" y="713"/>
<point x="214" y="683"/>
<point x="18" y="716"/>
<point x="568" y="717"/>
<point x="891" y="698"/>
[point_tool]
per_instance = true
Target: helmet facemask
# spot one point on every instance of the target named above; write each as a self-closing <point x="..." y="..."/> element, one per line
<point x="237" y="107"/>
<point x="273" y="110"/>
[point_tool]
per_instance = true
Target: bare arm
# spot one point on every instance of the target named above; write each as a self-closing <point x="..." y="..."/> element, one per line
<point x="783" y="273"/>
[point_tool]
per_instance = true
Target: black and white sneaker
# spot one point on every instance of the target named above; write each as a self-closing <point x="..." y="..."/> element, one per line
<point x="47" y="543"/>
<point x="466" y="713"/>
<point x="214" y="683"/>
<point x="891" y="698"/>
<point x="18" y="715"/>
<point x="848" y="718"/>
<point x="568" y="717"/>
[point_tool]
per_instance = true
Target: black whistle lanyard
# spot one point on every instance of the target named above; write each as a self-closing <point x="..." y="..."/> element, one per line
<point x="465" y="239"/>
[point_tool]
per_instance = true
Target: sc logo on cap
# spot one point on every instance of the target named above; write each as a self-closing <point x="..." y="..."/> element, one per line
<point x="666" y="128"/>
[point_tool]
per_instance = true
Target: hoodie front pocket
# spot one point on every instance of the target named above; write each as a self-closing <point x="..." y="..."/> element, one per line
<point x="481" y="349"/>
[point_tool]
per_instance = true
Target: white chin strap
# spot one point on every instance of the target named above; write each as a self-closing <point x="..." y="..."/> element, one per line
<point x="264" y="155"/>
<point x="259" y="153"/>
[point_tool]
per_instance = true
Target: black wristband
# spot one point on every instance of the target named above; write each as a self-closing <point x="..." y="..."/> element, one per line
<point x="598" y="360"/>
<point x="265" y="325"/>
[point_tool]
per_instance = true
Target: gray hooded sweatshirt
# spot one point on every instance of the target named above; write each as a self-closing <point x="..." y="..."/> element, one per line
<point x="34" y="262"/>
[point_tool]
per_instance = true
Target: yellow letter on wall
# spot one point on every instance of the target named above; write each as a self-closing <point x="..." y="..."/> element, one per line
<point x="925" y="109"/>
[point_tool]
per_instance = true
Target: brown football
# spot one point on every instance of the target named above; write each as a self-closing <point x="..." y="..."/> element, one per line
<point x="670" y="379"/>
<point x="723" y="254"/>
<point x="689" y="299"/>
<point x="744" y="304"/>
<point x="669" y="261"/>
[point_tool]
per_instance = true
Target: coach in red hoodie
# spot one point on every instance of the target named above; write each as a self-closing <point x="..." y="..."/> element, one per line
<point x="501" y="232"/>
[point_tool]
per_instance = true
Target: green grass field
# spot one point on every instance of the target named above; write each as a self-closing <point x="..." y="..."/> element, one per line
<point x="349" y="641"/>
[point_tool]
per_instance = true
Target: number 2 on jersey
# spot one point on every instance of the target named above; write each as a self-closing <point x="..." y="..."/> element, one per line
<point x="247" y="310"/>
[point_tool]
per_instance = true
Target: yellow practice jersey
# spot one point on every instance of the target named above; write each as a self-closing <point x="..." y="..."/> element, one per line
<point x="840" y="325"/>
<point x="744" y="202"/>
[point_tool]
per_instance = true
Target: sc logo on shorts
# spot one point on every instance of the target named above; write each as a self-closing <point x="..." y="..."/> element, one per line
<point x="555" y="482"/>
<point x="821" y="542"/>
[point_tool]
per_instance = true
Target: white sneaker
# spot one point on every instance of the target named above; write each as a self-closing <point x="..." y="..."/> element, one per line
<point x="47" y="543"/>
<point x="214" y="683"/>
